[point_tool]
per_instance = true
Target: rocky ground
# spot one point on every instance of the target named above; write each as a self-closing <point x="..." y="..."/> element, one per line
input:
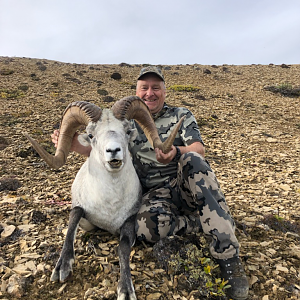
<point x="250" y="121"/>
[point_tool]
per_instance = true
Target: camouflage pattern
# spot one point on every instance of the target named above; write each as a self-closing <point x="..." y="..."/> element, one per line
<point x="184" y="196"/>
<point x="149" y="170"/>
<point x="191" y="202"/>
<point x="151" y="69"/>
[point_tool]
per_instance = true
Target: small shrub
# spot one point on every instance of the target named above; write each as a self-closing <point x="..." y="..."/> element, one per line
<point x="22" y="114"/>
<point x="102" y="92"/>
<point x="202" y="122"/>
<point x="186" y="258"/>
<point x="6" y="72"/>
<point x="183" y="88"/>
<point x="3" y="142"/>
<point x="278" y="223"/>
<point x="197" y="268"/>
<point x="23" y="87"/>
<point x="285" y="89"/>
<point x="9" y="184"/>
<point x="108" y="99"/>
<point x="11" y="94"/>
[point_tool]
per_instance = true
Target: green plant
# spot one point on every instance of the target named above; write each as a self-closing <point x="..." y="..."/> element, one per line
<point x="285" y="86"/>
<point x="218" y="287"/>
<point x="197" y="268"/>
<point x="11" y="94"/>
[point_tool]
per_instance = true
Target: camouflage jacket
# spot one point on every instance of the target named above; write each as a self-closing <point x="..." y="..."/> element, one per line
<point x="149" y="170"/>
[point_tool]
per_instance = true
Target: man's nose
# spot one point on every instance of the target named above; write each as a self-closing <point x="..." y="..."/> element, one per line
<point x="150" y="91"/>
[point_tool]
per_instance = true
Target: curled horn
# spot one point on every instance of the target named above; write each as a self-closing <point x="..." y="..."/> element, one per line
<point x="75" y="115"/>
<point x="134" y="107"/>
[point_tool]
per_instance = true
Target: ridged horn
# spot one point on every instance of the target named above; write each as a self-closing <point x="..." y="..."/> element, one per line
<point x="133" y="107"/>
<point x="75" y="115"/>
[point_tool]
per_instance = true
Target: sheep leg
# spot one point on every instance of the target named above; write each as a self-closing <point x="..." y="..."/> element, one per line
<point x="63" y="268"/>
<point x="127" y="239"/>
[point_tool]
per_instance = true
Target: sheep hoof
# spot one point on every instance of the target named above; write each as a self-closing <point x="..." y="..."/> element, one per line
<point x="54" y="276"/>
<point x="124" y="296"/>
<point x="62" y="271"/>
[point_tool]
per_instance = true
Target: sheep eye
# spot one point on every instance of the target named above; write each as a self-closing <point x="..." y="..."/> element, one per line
<point x="128" y="132"/>
<point x="91" y="136"/>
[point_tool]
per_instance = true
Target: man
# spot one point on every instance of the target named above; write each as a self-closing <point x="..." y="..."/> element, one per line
<point x="180" y="191"/>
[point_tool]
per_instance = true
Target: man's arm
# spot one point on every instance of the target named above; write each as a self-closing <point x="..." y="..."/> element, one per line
<point x="166" y="158"/>
<point x="76" y="146"/>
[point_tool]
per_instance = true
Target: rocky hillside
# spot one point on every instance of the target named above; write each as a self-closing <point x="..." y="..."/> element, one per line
<point x="250" y="121"/>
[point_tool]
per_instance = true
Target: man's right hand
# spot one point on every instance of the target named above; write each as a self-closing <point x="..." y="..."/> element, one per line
<point x="75" y="143"/>
<point x="76" y="146"/>
<point x="54" y="137"/>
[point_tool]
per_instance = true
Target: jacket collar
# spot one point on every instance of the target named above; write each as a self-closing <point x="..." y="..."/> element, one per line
<point x="161" y="112"/>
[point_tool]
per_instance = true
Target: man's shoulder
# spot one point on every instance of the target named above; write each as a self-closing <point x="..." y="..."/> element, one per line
<point x="178" y="111"/>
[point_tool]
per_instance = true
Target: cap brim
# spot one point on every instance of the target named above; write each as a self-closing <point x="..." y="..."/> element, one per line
<point x="154" y="73"/>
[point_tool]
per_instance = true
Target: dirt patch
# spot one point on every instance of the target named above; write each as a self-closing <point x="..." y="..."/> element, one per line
<point x="252" y="142"/>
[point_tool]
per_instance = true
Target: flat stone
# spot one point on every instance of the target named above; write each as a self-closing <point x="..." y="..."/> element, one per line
<point x="8" y="231"/>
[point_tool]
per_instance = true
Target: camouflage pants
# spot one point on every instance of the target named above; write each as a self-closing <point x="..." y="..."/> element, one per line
<point x="189" y="203"/>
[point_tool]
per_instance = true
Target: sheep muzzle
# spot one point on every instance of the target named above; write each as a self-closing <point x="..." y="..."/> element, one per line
<point x="115" y="163"/>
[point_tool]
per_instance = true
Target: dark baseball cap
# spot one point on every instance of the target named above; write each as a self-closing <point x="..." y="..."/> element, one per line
<point x="151" y="69"/>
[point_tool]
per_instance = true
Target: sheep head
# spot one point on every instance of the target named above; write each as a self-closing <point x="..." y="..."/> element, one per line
<point x="84" y="113"/>
<point x="109" y="139"/>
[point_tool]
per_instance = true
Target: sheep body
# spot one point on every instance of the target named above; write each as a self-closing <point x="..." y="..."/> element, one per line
<point x="108" y="199"/>
<point x="106" y="193"/>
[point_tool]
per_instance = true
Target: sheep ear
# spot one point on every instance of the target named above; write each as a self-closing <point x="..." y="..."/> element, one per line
<point x="84" y="139"/>
<point x="132" y="134"/>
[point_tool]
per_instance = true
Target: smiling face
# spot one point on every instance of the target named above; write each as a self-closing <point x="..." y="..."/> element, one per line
<point x="152" y="90"/>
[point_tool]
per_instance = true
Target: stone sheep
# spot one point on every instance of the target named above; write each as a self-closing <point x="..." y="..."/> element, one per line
<point x="106" y="192"/>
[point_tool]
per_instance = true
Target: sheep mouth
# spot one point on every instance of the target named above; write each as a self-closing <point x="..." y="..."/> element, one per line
<point x="115" y="163"/>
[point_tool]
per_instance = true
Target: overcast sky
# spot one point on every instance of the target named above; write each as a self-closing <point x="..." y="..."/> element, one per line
<point x="168" y="32"/>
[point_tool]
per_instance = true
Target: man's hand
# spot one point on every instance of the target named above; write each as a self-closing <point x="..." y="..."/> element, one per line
<point x="165" y="158"/>
<point x="54" y="137"/>
<point x="76" y="146"/>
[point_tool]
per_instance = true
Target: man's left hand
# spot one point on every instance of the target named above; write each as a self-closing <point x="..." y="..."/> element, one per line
<point x="165" y="158"/>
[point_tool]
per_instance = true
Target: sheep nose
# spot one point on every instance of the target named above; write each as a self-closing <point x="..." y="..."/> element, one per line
<point x="113" y="151"/>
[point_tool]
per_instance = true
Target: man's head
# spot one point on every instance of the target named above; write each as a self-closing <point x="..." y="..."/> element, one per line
<point x="151" y="88"/>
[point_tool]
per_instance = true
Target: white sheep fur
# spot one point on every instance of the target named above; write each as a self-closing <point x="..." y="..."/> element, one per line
<point x="106" y="193"/>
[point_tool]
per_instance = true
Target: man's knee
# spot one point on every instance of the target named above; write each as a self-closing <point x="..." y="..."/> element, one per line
<point x="195" y="161"/>
<point x="153" y="225"/>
